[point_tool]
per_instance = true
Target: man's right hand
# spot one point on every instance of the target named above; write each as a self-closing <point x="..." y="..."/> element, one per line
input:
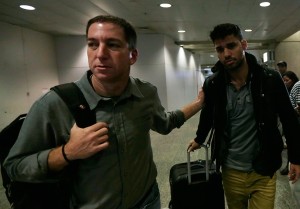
<point x="193" y="146"/>
<point x="85" y="142"/>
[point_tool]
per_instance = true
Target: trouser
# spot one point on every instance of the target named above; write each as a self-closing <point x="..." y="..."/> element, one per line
<point x="151" y="200"/>
<point x="248" y="190"/>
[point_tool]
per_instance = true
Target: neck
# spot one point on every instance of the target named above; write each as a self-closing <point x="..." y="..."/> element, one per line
<point x="239" y="77"/>
<point x="107" y="89"/>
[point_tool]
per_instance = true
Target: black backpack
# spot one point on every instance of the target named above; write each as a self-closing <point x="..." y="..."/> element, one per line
<point x="24" y="195"/>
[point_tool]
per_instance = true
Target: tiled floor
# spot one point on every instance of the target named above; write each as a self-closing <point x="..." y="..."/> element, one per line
<point x="171" y="149"/>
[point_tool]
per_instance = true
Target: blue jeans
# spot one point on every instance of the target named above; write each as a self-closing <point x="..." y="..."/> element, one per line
<point x="152" y="201"/>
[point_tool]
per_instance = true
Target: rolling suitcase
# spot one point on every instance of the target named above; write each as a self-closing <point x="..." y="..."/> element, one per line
<point x="196" y="185"/>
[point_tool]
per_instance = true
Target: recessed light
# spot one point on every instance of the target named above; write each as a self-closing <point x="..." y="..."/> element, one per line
<point x="181" y="31"/>
<point x="165" y="5"/>
<point x="27" y="7"/>
<point x="265" y="4"/>
<point x="248" y="30"/>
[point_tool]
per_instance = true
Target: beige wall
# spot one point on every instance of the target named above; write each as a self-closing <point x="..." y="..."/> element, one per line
<point x="289" y="51"/>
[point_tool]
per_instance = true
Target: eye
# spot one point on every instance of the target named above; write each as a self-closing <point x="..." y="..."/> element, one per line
<point x="93" y="45"/>
<point x="113" y="45"/>
<point x="219" y="49"/>
<point x="231" y="45"/>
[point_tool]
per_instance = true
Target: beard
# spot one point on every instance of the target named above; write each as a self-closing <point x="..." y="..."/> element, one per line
<point x="236" y="66"/>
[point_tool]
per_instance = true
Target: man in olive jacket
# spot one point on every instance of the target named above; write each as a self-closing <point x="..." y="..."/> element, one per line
<point x="243" y="101"/>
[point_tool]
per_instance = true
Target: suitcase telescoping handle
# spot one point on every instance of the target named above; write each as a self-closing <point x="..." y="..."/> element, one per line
<point x="206" y="164"/>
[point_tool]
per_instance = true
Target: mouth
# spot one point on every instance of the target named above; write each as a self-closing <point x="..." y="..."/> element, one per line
<point x="102" y="67"/>
<point x="229" y="62"/>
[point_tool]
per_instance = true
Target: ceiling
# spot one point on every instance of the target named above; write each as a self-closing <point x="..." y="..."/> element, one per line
<point x="197" y="17"/>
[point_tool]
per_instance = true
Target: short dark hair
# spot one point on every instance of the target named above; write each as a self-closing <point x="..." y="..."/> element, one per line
<point x="282" y="64"/>
<point x="225" y="29"/>
<point x="129" y="31"/>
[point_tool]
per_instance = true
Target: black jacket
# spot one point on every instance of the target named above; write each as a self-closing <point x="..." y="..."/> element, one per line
<point x="270" y="100"/>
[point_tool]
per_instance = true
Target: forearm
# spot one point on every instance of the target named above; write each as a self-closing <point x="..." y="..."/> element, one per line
<point x="56" y="160"/>
<point x="192" y="108"/>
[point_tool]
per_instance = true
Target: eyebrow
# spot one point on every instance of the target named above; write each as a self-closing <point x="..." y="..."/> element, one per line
<point x="108" y="39"/>
<point x="229" y="45"/>
<point x="91" y="39"/>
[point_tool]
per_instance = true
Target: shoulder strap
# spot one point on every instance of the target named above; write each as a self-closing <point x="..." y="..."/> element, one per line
<point x="77" y="104"/>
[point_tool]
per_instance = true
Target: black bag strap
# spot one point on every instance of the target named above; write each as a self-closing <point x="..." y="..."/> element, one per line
<point x="77" y="104"/>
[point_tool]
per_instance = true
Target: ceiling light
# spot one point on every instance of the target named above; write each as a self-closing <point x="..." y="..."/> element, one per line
<point x="27" y="7"/>
<point x="181" y="31"/>
<point x="248" y="30"/>
<point x="265" y="4"/>
<point x="165" y="5"/>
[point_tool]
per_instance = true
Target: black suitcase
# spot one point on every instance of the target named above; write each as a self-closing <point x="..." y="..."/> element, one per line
<point x="196" y="185"/>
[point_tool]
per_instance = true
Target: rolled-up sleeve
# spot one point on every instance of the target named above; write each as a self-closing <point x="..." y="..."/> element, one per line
<point x="164" y="122"/>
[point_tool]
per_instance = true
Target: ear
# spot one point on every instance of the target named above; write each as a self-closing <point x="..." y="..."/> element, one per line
<point x="133" y="55"/>
<point x="244" y="44"/>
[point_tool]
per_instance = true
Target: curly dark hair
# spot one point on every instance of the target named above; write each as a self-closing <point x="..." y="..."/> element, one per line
<point x="225" y="29"/>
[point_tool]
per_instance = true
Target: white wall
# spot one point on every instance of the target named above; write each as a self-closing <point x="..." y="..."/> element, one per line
<point x="182" y="75"/>
<point x="27" y="69"/>
<point x="169" y="67"/>
<point x="150" y="65"/>
<point x="71" y="57"/>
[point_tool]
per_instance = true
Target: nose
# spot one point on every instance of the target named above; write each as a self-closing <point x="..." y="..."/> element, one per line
<point x="101" y="51"/>
<point x="227" y="52"/>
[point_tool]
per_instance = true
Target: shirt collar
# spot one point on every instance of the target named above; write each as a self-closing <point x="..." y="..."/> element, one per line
<point x="93" y="98"/>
